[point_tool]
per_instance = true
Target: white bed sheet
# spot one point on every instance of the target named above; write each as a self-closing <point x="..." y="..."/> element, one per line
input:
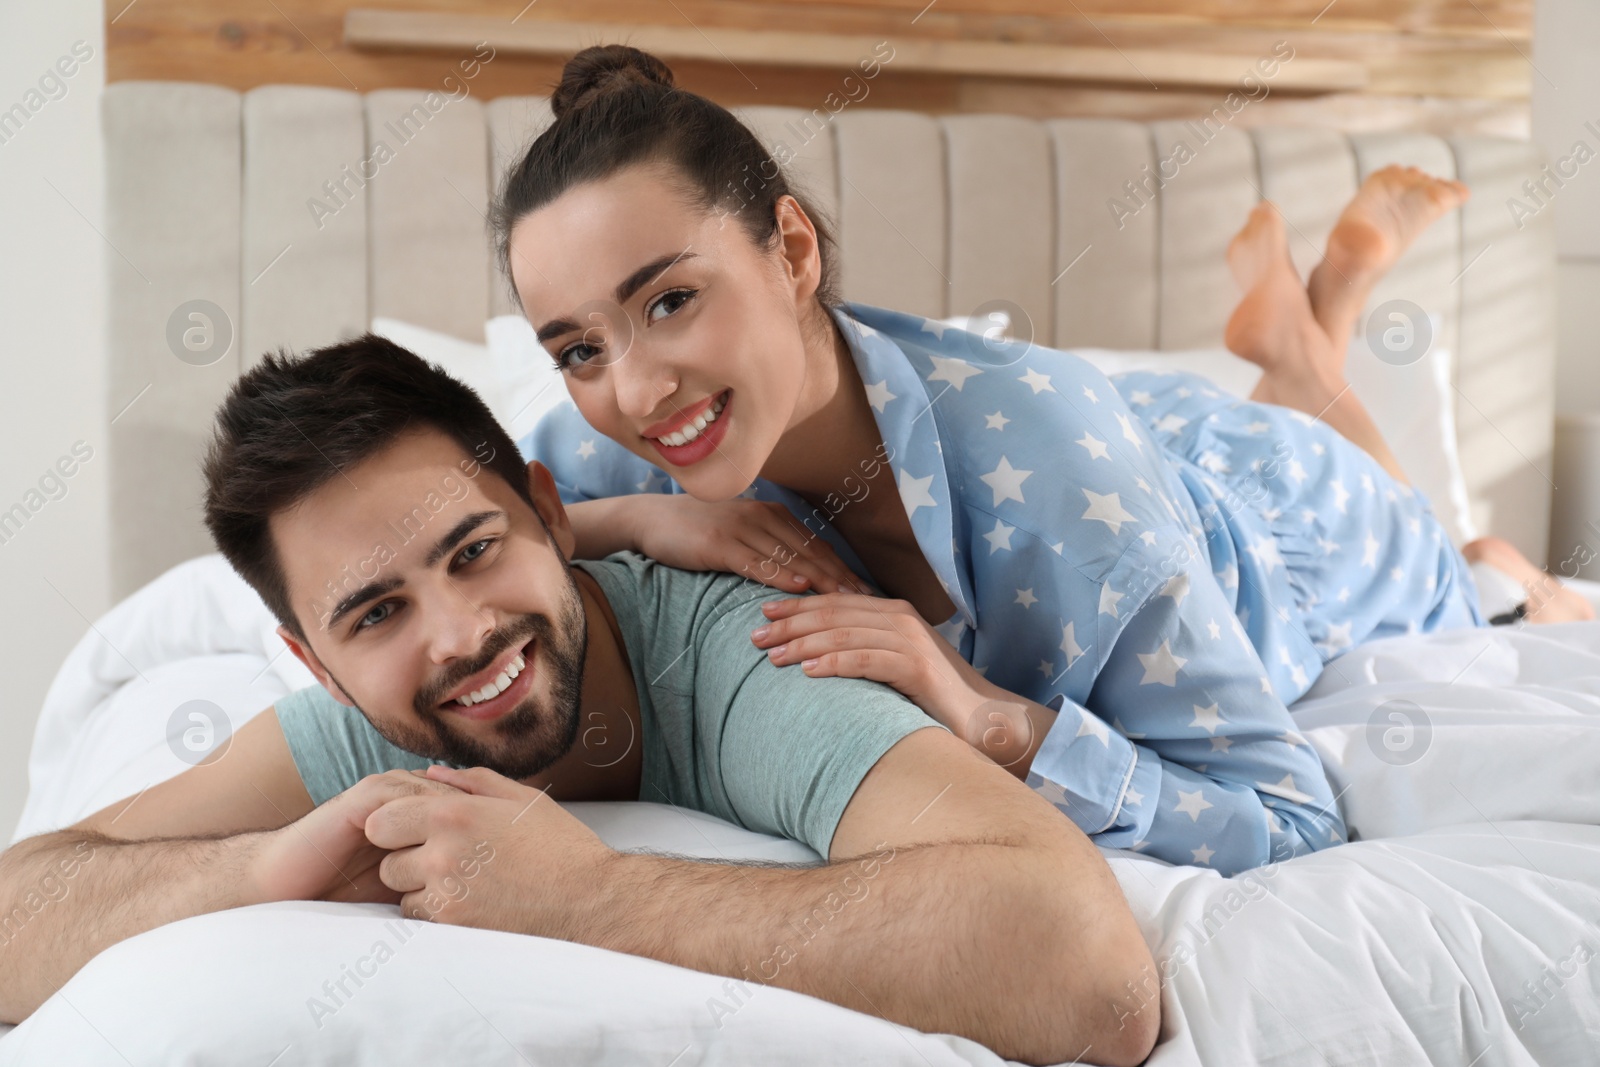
<point x="1463" y="928"/>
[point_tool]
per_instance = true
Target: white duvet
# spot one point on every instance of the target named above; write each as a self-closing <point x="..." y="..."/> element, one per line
<point x="1462" y="928"/>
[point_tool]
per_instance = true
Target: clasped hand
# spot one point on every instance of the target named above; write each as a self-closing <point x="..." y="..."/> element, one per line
<point x="465" y="847"/>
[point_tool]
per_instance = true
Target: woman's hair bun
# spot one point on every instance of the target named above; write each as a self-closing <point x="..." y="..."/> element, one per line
<point x="604" y="68"/>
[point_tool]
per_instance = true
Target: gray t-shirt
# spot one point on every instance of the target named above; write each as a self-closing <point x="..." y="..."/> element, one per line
<point x="724" y="731"/>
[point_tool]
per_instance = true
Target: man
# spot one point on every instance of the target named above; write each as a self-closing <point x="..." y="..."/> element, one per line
<point x="421" y="572"/>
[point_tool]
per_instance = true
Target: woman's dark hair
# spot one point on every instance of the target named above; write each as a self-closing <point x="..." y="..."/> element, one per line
<point x="617" y="107"/>
<point x="291" y="424"/>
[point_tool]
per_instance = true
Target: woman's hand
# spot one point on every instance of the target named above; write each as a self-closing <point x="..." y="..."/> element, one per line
<point x="759" y="539"/>
<point x="844" y="635"/>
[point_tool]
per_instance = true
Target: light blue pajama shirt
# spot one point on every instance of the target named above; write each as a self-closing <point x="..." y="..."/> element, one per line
<point x="1165" y="565"/>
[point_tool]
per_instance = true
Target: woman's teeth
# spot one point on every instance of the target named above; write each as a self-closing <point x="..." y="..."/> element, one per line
<point x="496" y="687"/>
<point x="693" y="430"/>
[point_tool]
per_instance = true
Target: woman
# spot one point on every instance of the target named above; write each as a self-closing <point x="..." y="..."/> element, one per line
<point x="1113" y="590"/>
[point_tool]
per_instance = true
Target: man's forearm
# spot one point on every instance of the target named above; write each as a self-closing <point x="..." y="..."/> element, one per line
<point x="942" y="937"/>
<point x="67" y="896"/>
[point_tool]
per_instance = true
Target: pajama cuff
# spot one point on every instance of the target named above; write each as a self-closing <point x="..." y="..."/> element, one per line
<point x="1085" y="768"/>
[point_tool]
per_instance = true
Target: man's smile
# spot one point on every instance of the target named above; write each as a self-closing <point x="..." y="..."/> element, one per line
<point x="496" y="689"/>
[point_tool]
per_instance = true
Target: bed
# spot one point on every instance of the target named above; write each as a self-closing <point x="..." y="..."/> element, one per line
<point x="1459" y="927"/>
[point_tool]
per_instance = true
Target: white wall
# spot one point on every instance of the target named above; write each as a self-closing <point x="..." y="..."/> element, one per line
<point x="53" y="574"/>
<point x="1566" y="114"/>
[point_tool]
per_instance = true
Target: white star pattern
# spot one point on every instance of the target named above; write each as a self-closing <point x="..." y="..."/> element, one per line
<point x="1203" y="854"/>
<point x="1090" y="394"/>
<point x="1106" y="508"/>
<point x="1108" y="601"/>
<point x="1069" y="644"/>
<point x="999" y="537"/>
<point x="586" y="449"/>
<point x="914" y="492"/>
<point x="1207" y="718"/>
<point x="954" y="371"/>
<point x="1161" y="666"/>
<point x="1039" y="383"/>
<point x="1089" y="725"/>
<point x="1369" y="557"/>
<point x="1171" y="423"/>
<point x="997" y="421"/>
<point x="1286" y="789"/>
<point x="1192" y="804"/>
<point x="935" y="327"/>
<point x="1140" y="397"/>
<point x="1005" y="481"/>
<point x="1214" y="630"/>
<point x="1265" y="552"/>
<point x="1341" y="496"/>
<point x="1177" y="588"/>
<point x="1148" y="537"/>
<point x="1093" y="445"/>
<point x="1128" y="431"/>
<point x="879" y="396"/>
<point x="1338" y="637"/>
<point x="1026" y="598"/>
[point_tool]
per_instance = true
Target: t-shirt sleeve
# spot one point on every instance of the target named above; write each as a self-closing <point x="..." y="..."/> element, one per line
<point x="334" y="746"/>
<point x="792" y="748"/>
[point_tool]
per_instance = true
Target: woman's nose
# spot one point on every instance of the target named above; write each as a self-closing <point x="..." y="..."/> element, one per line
<point x="641" y="387"/>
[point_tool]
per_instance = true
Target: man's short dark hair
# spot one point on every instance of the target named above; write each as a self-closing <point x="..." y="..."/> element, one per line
<point x="291" y="424"/>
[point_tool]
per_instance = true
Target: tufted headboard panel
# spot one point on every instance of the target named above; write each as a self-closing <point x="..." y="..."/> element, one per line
<point x="302" y="213"/>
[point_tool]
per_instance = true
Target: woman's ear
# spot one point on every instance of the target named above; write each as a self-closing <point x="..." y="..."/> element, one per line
<point x="547" y="502"/>
<point x="801" y="251"/>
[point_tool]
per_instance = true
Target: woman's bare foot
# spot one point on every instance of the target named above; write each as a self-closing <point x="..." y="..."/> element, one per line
<point x="1548" y="599"/>
<point x="1273" y="326"/>
<point x="1390" y="209"/>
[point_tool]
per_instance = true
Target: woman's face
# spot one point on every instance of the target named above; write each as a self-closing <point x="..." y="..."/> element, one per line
<point x="680" y="338"/>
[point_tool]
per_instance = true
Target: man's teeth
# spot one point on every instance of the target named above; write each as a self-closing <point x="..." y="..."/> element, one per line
<point x="496" y="687"/>
<point x="701" y="421"/>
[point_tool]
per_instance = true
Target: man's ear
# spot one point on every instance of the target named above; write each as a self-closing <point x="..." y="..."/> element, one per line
<point x="547" y="502"/>
<point x="303" y="653"/>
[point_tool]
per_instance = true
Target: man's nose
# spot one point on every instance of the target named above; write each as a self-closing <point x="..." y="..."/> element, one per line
<point x="459" y="627"/>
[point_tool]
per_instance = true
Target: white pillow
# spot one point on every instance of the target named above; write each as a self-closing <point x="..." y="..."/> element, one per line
<point x="510" y="371"/>
<point x="1413" y="406"/>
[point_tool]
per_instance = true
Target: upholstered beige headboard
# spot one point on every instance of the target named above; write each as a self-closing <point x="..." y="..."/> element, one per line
<point x="278" y="207"/>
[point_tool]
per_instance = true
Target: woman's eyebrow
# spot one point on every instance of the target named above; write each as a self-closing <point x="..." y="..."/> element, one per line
<point x="624" y="291"/>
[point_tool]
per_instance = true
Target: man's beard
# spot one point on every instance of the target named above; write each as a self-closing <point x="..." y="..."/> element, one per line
<point x="533" y="734"/>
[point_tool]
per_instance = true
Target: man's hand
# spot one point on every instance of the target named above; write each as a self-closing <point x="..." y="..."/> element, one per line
<point x="326" y="855"/>
<point x="489" y="852"/>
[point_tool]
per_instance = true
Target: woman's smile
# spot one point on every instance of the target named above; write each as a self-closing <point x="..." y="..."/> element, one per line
<point x="692" y="434"/>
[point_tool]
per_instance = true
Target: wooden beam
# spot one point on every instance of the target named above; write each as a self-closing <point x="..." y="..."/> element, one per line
<point x="381" y="30"/>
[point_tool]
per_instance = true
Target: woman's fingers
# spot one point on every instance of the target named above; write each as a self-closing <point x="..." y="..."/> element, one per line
<point x="835" y="620"/>
<point x="762" y="567"/>
<point x="806" y="553"/>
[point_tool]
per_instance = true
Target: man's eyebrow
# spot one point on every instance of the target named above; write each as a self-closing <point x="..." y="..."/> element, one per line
<point x="375" y="589"/>
<point x="371" y="591"/>
<point x="625" y="290"/>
